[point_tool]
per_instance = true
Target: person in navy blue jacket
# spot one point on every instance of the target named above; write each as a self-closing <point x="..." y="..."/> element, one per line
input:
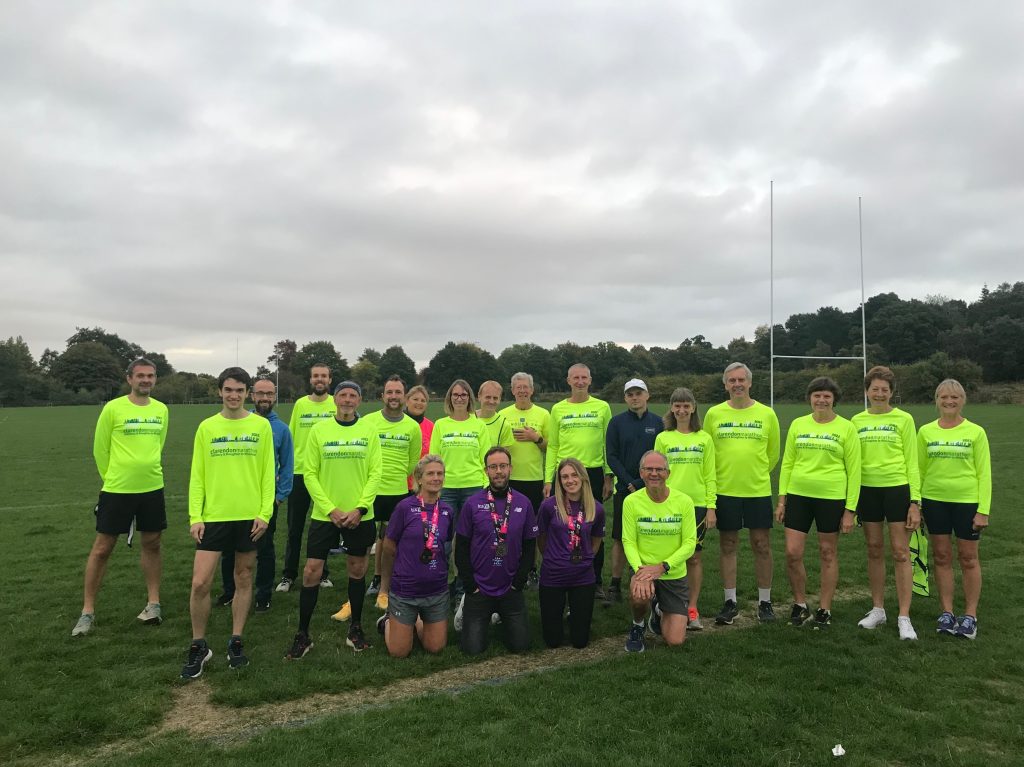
<point x="264" y="396"/>
<point x="631" y="433"/>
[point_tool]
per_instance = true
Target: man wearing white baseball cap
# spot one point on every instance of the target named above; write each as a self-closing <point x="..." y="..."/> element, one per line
<point x="631" y="434"/>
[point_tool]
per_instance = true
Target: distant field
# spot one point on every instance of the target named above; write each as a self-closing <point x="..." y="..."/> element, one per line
<point x="757" y="695"/>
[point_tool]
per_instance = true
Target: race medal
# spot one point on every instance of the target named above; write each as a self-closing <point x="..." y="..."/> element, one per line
<point x="501" y="549"/>
<point x="426" y="556"/>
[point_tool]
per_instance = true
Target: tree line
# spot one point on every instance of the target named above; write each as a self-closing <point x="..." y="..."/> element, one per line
<point x="924" y="340"/>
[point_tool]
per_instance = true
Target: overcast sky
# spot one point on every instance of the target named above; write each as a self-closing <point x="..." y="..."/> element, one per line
<point x="190" y="174"/>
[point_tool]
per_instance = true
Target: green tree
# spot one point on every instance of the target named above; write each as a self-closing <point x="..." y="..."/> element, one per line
<point x="89" y="366"/>
<point x="323" y="352"/>
<point x="542" y="364"/>
<point x="124" y="351"/>
<point x="394" y="361"/>
<point x="367" y="375"/>
<point x="370" y="355"/>
<point x="461" y="360"/>
<point x="283" y="356"/>
<point x="17" y="369"/>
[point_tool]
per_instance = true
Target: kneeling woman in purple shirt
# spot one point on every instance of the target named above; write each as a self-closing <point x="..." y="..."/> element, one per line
<point x="571" y="528"/>
<point x="420" y="527"/>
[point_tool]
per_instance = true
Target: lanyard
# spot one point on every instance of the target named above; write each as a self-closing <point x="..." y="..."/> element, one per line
<point x="500" y="524"/>
<point x="429" y="528"/>
<point x="575" y="526"/>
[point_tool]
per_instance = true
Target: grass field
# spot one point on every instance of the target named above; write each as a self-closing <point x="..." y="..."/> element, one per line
<point x="744" y="695"/>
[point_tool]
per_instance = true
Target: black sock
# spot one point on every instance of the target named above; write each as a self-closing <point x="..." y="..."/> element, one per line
<point x="307" y="603"/>
<point x="356" y="592"/>
<point x="616" y="583"/>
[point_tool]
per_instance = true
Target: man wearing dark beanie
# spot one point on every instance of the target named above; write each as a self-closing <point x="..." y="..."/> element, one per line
<point x="343" y="469"/>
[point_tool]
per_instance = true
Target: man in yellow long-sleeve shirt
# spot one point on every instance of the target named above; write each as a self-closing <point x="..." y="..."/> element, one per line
<point x="230" y="502"/>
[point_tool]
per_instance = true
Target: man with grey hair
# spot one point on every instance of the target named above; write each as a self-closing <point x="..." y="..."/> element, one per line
<point x="530" y="424"/>
<point x="746" y="437"/>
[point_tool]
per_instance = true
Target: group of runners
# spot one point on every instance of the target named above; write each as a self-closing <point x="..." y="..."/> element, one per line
<point x="492" y="491"/>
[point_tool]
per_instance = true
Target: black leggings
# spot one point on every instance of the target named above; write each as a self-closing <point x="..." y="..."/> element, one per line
<point x="552" y="609"/>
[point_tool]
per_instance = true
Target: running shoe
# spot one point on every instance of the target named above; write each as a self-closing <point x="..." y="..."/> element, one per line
<point x="798" y="615"/>
<point x="151" y="616"/>
<point x="382" y="601"/>
<point x="765" y="613"/>
<point x="198" y="654"/>
<point x="906" y="628"/>
<point x="84" y="625"/>
<point x="875" y="617"/>
<point x="693" y="620"/>
<point x="262" y="607"/>
<point x="224" y="600"/>
<point x="300" y="646"/>
<point x="967" y="627"/>
<point x="635" y="640"/>
<point x="822" y="619"/>
<point x="532" y="580"/>
<point x="236" y="658"/>
<point x="284" y="586"/>
<point x="382" y="621"/>
<point x="599" y="593"/>
<point x="326" y="583"/>
<point x="728" y="613"/>
<point x="374" y="588"/>
<point x="344" y="613"/>
<point x="654" y="621"/>
<point x="457" y="622"/>
<point x="355" y="638"/>
<point x="947" y="624"/>
<point x="615" y="593"/>
<point x="495" y="619"/>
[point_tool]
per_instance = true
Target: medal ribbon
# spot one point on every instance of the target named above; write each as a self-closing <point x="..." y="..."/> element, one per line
<point x="429" y="528"/>
<point x="575" y="527"/>
<point x="500" y="524"/>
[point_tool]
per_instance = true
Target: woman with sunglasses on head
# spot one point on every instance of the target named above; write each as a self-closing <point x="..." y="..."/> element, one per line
<point x="571" y="530"/>
<point x="691" y="460"/>
<point x="956" y="497"/>
<point x="819" y="484"/>
<point x="890" y="492"/>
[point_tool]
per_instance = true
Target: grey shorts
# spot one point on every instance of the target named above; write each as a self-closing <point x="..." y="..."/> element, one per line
<point x="430" y="609"/>
<point x="674" y="595"/>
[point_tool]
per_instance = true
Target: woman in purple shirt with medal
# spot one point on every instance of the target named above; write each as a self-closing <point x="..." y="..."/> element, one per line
<point x="420" y="528"/>
<point x="571" y="528"/>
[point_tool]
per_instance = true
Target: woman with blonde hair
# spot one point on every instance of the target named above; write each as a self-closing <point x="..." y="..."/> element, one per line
<point x="691" y="461"/>
<point x="956" y="497"/>
<point x="571" y="526"/>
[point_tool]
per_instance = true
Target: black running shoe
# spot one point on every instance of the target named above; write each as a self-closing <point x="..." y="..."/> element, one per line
<point x="382" y="621"/>
<point x="798" y="614"/>
<point x="224" y="600"/>
<point x="599" y="593"/>
<point x="374" y="588"/>
<point x="198" y="654"/>
<point x="300" y="646"/>
<point x="262" y="607"/>
<point x="654" y="621"/>
<point x="615" y="593"/>
<point x="355" y="638"/>
<point x="532" y="580"/>
<point x="822" y="619"/>
<point x="236" y="658"/>
<point x="728" y="613"/>
<point x="765" y="613"/>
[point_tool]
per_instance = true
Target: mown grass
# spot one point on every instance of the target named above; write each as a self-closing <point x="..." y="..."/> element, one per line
<point x="763" y="695"/>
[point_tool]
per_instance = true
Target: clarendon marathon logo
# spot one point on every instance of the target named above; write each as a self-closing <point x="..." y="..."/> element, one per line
<point x="960" y="449"/>
<point x="882" y="432"/>
<point x="237" y="444"/>
<point x="817" y="441"/>
<point x="141" y="426"/>
<point x="346" y="448"/>
<point x="740" y="429"/>
<point x="669" y="525"/>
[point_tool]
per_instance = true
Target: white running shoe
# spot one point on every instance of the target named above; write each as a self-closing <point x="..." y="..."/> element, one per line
<point x="495" y="619"/>
<point x="874" y="618"/>
<point x="906" y="628"/>
<point x="457" y="623"/>
<point x="84" y="625"/>
<point x="152" y="615"/>
<point x="284" y="586"/>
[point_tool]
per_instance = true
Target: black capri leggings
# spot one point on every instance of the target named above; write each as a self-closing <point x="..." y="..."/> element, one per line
<point x="552" y="608"/>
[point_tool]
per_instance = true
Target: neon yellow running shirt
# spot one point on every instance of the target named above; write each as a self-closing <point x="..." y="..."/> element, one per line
<point x="578" y="431"/>
<point x="691" y="463"/>
<point x="305" y="414"/>
<point x="746" y="448"/>
<point x="888" y="450"/>
<point x="955" y="464"/>
<point x="343" y="467"/>
<point x="400" y="444"/>
<point x="659" y="532"/>
<point x="822" y="460"/>
<point x="233" y="471"/>
<point x="462" y="446"/>
<point x="527" y="458"/>
<point x="128" y="443"/>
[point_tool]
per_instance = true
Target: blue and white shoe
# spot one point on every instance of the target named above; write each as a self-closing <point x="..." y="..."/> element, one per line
<point x="635" y="640"/>
<point x="967" y="627"/>
<point x="947" y="624"/>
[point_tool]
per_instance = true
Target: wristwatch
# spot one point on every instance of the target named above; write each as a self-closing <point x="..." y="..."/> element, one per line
<point x="666" y="566"/>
